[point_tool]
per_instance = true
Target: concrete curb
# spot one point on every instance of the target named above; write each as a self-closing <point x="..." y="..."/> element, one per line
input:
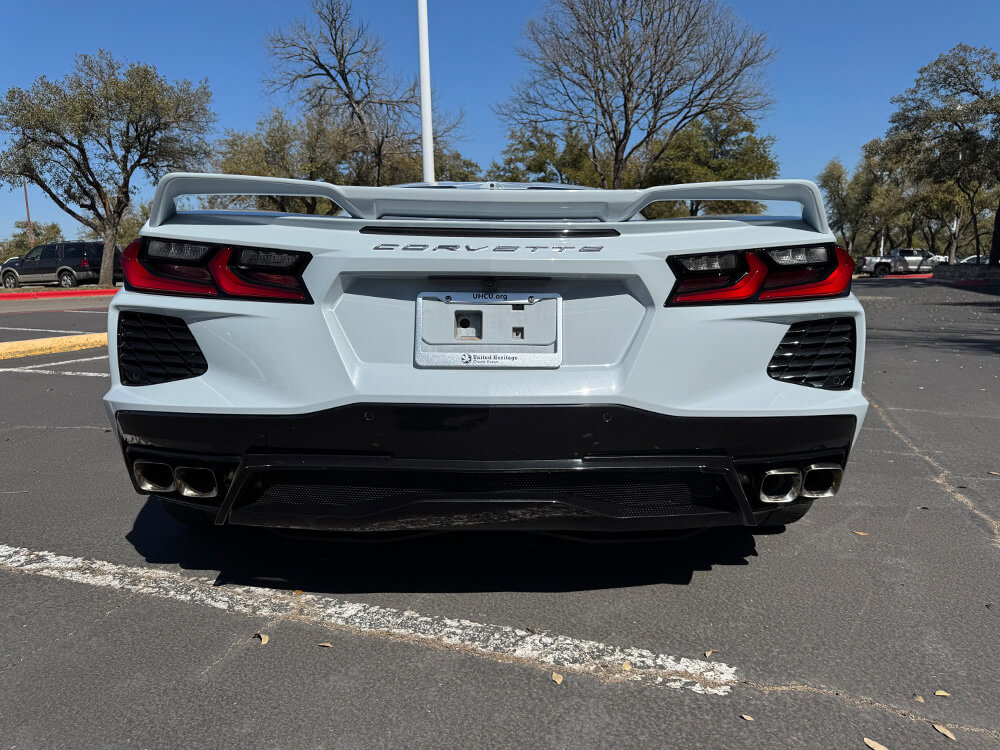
<point x="59" y="293"/>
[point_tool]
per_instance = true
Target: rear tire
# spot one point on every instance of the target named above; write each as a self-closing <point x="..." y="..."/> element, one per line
<point x="67" y="280"/>
<point x="881" y="270"/>
<point x="10" y="281"/>
<point x="788" y="514"/>
<point x="188" y="515"/>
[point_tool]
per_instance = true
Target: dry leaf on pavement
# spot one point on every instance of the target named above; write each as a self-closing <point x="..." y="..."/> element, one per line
<point x="326" y="645"/>
<point x="944" y="730"/>
<point x="747" y="717"/>
<point x="711" y="651"/>
<point x="919" y="698"/>
<point x="263" y="638"/>
<point x="626" y="666"/>
<point x="860" y="533"/>
<point x="875" y="745"/>
<point x="557" y="678"/>
<point x="995" y="473"/>
<point x="942" y="692"/>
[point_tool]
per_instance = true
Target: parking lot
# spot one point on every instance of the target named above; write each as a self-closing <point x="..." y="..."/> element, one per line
<point x="120" y="627"/>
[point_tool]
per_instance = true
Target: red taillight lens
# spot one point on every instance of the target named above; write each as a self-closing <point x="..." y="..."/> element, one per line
<point x="775" y="274"/>
<point x="138" y="276"/>
<point x="85" y="263"/>
<point x="745" y="285"/>
<point x="232" y="282"/>
<point x="833" y="283"/>
<point x="169" y="267"/>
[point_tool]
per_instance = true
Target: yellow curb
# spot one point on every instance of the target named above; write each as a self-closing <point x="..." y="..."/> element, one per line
<point x="53" y="345"/>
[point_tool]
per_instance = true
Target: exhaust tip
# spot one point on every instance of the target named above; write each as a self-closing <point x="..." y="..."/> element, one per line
<point x="152" y="476"/>
<point x="780" y="485"/>
<point x="196" y="482"/>
<point x="822" y="480"/>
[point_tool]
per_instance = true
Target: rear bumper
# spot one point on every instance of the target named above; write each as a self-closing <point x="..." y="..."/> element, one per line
<point x="380" y="467"/>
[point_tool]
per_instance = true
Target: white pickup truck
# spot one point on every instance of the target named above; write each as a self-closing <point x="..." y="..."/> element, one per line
<point x="900" y="260"/>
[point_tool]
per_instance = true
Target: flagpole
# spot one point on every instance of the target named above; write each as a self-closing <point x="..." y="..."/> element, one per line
<point x="426" y="124"/>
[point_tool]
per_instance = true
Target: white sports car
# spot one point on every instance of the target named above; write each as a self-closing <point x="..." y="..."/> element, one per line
<point x="486" y="356"/>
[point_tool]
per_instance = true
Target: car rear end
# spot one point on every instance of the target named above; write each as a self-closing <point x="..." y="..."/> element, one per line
<point x="479" y="358"/>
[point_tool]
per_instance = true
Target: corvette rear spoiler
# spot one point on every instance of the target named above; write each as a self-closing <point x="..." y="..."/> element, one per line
<point x="447" y="202"/>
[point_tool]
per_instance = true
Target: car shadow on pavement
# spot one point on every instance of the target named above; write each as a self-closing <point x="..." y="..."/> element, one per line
<point x="453" y="562"/>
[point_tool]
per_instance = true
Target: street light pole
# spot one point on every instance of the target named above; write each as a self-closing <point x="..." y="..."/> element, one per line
<point x="426" y="124"/>
<point x="31" y="229"/>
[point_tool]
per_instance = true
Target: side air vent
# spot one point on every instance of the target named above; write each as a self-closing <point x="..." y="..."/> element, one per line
<point x="816" y="353"/>
<point x="156" y="349"/>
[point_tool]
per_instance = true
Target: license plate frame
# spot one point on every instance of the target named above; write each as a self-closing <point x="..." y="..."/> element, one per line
<point x="538" y="311"/>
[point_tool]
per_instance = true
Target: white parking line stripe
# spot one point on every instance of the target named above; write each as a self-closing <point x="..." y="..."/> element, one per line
<point x="39" y="330"/>
<point x="65" y="362"/>
<point x="55" y="372"/>
<point x="495" y="642"/>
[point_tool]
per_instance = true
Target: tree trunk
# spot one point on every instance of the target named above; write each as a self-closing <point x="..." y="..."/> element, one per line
<point x="954" y="229"/>
<point x="975" y="230"/>
<point x="107" y="279"/>
<point x="995" y="242"/>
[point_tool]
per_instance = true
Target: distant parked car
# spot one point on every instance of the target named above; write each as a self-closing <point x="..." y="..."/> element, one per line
<point x="900" y="260"/>
<point x="65" y="263"/>
<point x="984" y="259"/>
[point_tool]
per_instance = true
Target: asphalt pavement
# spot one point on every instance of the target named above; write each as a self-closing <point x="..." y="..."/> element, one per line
<point x="121" y="628"/>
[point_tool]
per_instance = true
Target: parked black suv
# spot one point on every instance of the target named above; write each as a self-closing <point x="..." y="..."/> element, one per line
<point x="68" y="263"/>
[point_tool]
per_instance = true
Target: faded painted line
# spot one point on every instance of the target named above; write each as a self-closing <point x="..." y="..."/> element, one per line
<point x="495" y="642"/>
<point x="105" y="312"/>
<point x="54" y="345"/>
<point x="36" y="330"/>
<point x="64" y="362"/>
<point x="56" y="372"/>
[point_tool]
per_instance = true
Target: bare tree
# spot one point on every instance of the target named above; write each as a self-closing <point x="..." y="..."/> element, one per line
<point x="633" y="73"/>
<point x="333" y="62"/>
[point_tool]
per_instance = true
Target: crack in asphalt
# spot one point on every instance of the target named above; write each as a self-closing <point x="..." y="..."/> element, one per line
<point x="943" y="478"/>
<point x="865" y="703"/>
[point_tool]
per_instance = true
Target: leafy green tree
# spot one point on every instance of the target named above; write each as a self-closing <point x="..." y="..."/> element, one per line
<point x="949" y="120"/>
<point x="85" y="139"/>
<point x="848" y="201"/>
<point x="534" y="154"/>
<point x="718" y="146"/>
<point x="19" y="244"/>
<point x="314" y="147"/>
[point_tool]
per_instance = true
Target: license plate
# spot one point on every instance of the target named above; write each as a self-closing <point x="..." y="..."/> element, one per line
<point x="488" y="329"/>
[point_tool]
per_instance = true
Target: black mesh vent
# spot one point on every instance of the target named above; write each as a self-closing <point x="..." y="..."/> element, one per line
<point x="817" y="353"/>
<point x="156" y="349"/>
<point x="621" y="492"/>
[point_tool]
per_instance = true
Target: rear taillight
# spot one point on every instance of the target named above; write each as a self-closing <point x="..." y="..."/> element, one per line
<point x="198" y="269"/>
<point x="774" y="274"/>
<point x="85" y="263"/>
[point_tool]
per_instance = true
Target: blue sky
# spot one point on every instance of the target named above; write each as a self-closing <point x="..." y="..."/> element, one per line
<point x="838" y="63"/>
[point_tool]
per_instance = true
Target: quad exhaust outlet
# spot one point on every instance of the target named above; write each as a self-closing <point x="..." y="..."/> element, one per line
<point x="152" y="476"/>
<point x="196" y="482"/>
<point x="780" y="485"/>
<point x="821" y="480"/>
<point x="786" y="484"/>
